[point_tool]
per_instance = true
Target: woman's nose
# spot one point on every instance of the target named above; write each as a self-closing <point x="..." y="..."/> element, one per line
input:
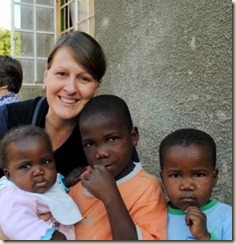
<point x="70" y="86"/>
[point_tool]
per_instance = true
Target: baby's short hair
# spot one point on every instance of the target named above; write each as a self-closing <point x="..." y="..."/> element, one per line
<point x="107" y="105"/>
<point x="187" y="137"/>
<point x="20" y="133"/>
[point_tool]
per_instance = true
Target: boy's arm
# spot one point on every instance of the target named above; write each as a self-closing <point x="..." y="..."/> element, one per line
<point x="122" y="225"/>
<point x="197" y="223"/>
<point x="102" y="185"/>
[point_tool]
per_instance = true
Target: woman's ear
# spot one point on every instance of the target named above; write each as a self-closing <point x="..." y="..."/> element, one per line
<point x="45" y="76"/>
<point x="98" y="88"/>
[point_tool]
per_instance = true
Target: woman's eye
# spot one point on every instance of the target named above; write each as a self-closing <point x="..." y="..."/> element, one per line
<point x="61" y="74"/>
<point x="84" y="79"/>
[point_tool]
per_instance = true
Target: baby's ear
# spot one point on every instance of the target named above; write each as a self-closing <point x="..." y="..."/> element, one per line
<point x="6" y="172"/>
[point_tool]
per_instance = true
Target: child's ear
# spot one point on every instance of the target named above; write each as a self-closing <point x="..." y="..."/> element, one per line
<point x="134" y="136"/>
<point x="6" y="172"/>
<point x="215" y="175"/>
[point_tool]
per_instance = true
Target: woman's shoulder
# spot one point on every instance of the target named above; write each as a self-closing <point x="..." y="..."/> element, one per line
<point x="21" y="112"/>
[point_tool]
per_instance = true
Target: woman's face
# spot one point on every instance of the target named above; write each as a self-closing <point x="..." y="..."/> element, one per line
<point x="68" y="85"/>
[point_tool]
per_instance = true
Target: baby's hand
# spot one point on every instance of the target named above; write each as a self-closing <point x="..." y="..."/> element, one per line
<point x="74" y="176"/>
<point x="196" y="220"/>
<point x="45" y="216"/>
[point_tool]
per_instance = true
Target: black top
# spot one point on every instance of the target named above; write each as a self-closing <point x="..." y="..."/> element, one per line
<point x="69" y="155"/>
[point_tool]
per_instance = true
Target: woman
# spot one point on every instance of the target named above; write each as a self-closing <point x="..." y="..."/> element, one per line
<point x="73" y="75"/>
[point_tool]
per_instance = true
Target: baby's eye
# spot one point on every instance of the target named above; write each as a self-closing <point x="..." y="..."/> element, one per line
<point x="46" y="161"/>
<point x="25" y="166"/>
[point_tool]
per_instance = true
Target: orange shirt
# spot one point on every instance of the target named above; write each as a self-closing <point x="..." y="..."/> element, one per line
<point x="144" y="199"/>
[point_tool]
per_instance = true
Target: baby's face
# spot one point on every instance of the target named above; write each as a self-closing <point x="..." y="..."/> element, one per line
<point x="188" y="175"/>
<point x="31" y="165"/>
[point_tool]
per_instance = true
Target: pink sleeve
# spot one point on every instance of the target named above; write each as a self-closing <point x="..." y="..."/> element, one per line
<point x="18" y="217"/>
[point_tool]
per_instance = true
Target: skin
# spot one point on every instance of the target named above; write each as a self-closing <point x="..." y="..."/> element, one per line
<point x="188" y="177"/>
<point x="31" y="165"/>
<point x="108" y="146"/>
<point x="32" y="168"/>
<point x="3" y="90"/>
<point x="68" y="88"/>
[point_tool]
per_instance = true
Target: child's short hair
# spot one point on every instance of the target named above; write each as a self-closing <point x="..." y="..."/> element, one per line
<point x="186" y="137"/>
<point x="107" y="105"/>
<point x="11" y="73"/>
<point x="19" y="133"/>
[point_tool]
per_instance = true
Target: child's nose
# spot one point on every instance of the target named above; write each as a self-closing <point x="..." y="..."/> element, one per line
<point x="38" y="170"/>
<point x="187" y="184"/>
<point x="102" y="153"/>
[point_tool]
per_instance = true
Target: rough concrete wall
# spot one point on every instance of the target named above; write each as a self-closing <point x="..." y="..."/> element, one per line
<point x="172" y="62"/>
<point x="30" y="91"/>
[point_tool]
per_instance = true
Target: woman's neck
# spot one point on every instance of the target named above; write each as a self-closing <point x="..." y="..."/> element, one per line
<point x="58" y="129"/>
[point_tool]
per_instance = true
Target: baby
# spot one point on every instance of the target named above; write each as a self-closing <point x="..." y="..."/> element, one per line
<point x="31" y="188"/>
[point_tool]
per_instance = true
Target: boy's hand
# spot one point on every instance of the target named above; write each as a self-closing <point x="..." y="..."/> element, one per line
<point x="74" y="176"/>
<point x="196" y="221"/>
<point x="100" y="182"/>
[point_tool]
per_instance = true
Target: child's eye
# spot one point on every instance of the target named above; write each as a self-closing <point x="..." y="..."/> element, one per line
<point x="25" y="166"/>
<point x="198" y="174"/>
<point x="46" y="161"/>
<point x="174" y="175"/>
<point x="88" y="144"/>
<point x="112" y="138"/>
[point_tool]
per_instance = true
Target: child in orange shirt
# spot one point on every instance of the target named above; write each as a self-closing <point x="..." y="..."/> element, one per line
<point x="117" y="198"/>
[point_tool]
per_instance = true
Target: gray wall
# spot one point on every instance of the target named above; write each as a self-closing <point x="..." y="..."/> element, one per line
<point x="171" y="60"/>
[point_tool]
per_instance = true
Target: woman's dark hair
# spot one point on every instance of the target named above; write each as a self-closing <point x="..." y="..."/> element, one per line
<point x="187" y="137"/>
<point x="86" y="51"/>
<point x="11" y="74"/>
